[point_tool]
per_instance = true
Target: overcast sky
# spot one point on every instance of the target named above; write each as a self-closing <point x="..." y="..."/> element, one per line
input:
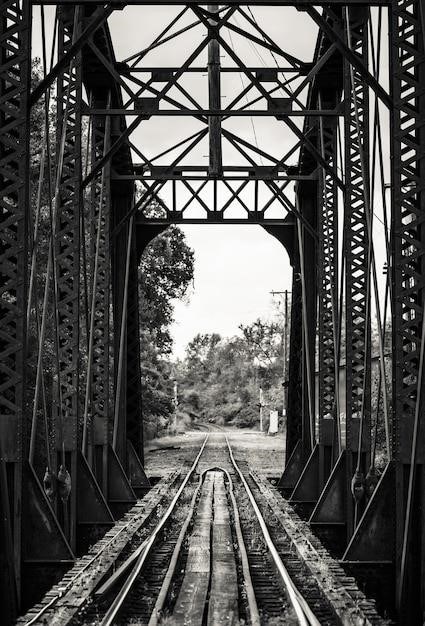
<point x="236" y="267"/>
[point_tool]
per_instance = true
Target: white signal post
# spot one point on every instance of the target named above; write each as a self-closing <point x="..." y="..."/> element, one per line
<point x="261" y="409"/>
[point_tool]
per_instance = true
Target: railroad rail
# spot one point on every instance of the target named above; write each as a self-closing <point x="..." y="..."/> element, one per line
<point x="129" y="524"/>
<point x="212" y="550"/>
<point x="305" y="616"/>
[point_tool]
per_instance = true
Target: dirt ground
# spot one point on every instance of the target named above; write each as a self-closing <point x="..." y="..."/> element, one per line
<point x="264" y="453"/>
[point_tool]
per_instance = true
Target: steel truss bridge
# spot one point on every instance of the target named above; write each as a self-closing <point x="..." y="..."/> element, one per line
<point x="342" y="186"/>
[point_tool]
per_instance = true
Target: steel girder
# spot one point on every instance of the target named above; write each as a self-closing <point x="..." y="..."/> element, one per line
<point x="295" y="394"/>
<point x="328" y="367"/>
<point x="301" y="385"/>
<point x="99" y="298"/>
<point x="356" y="241"/>
<point x="391" y="529"/>
<point x="408" y="61"/>
<point x="301" y="4"/>
<point x="68" y="205"/>
<point x="325" y="90"/>
<point x="341" y="508"/>
<point x="14" y="180"/>
<point x="408" y="276"/>
<point x="67" y="228"/>
<point x="295" y="456"/>
<point x="120" y="205"/>
<point x="134" y="376"/>
<point x="15" y="66"/>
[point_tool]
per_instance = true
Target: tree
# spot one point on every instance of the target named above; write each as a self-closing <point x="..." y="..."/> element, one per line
<point x="219" y="379"/>
<point x="165" y="274"/>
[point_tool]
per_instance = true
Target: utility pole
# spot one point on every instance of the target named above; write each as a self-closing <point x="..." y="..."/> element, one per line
<point x="285" y="338"/>
<point x="261" y="409"/>
<point x="176" y="404"/>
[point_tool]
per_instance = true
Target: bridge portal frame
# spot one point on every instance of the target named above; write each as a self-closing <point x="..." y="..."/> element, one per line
<point x="401" y="545"/>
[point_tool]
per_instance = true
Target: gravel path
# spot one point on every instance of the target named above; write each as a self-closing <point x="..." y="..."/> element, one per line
<point x="263" y="453"/>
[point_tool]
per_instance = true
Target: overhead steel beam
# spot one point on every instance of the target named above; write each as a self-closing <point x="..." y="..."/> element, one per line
<point x="212" y="219"/>
<point x="301" y="4"/>
<point x="200" y="177"/>
<point x="159" y="72"/>
<point x="273" y="111"/>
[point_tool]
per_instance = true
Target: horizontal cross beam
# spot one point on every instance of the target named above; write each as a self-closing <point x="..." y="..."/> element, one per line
<point x="87" y="111"/>
<point x="201" y="177"/>
<point x="125" y="69"/>
<point x="213" y="218"/>
<point x="140" y="168"/>
<point x="300" y="4"/>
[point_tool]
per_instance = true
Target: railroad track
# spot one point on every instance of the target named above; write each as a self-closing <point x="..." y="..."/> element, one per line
<point x="216" y="567"/>
<point x="213" y="554"/>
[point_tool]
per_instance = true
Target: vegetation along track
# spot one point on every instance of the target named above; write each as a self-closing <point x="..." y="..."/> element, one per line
<point x="212" y="557"/>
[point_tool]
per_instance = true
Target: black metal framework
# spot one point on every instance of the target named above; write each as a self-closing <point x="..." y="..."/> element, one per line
<point x="305" y="195"/>
<point x="328" y="306"/>
<point x="357" y="259"/>
<point x="98" y="402"/>
<point x="250" y="187"/>
<point x="14" y="162"/>
<point x="66" y="261"/>
<point x="408" y="188"/>
<point x="15" y="42"/>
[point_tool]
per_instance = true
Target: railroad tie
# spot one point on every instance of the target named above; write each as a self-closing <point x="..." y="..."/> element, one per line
<point x="190" y="604"/>
<point x="223" y="604"/>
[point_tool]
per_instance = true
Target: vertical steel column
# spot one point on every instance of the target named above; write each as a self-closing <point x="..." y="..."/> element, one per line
<point x="121" y="204"/>
<point x="302" y="339"/>
<point x="357" y="330"/>
<point x="15" y="66"/>
<point x="408" y="275"/>
<point x="100" y="199"/>
<point x="295" y="387"/>
<point x="327" y="297"/>
<point x="307" y="204"/>
<point x="134" y="375"/>
<point x="67" y="249"/>
<point x="214" y="122"/>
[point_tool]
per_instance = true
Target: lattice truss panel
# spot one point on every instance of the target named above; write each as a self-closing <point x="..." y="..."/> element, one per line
<point x="14" y="151"/>
<point x="327" y="274"/>
<point x="356" y="239"/>
<point x="243" y="179"/>
<point x="409" y="213"/>
<point x="99" y="305"/>
<point x="67" y="226"/>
